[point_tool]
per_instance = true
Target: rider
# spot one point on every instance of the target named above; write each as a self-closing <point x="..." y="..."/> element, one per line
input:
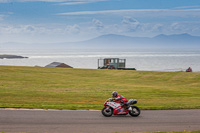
<point x="118" y="98"/>
<point x="189" y="69"/>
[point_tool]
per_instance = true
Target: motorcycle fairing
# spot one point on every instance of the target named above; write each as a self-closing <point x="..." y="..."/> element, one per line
<point x="117" y="108"/>
<point x="113" y="104"/>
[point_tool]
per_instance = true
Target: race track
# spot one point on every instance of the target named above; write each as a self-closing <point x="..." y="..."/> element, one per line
<point x="52" y="121"/>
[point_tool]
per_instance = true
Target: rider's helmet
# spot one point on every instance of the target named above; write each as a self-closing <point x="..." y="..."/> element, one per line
<point x="114" y="94"/>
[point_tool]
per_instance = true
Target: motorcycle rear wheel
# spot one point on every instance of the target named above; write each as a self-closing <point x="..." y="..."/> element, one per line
<point x="135" y="111"/>
<point x="107" y="112"/>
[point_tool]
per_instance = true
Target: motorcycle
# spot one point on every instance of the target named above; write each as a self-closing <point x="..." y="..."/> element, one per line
<point x="122" y="108"/>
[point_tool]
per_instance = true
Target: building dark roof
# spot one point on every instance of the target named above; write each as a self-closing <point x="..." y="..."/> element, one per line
<point x="58" y="64"/>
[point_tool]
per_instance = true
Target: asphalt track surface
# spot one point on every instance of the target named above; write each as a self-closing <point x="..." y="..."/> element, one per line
<point x="52" y="121"/>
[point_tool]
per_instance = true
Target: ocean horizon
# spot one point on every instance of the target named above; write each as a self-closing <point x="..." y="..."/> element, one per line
<point x="141" y="59"/>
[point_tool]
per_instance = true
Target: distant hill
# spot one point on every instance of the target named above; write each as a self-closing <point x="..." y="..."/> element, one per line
<point x="160" y="41"/>
<point x="178" y="40"/>
<point x="111" y="41"/>
<point x="115" y="41"/>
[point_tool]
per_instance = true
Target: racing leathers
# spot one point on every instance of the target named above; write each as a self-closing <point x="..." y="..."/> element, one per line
<point x="120" y="99"/>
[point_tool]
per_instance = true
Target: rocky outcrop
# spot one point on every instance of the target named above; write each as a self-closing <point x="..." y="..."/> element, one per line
<point x="5" y="56"/>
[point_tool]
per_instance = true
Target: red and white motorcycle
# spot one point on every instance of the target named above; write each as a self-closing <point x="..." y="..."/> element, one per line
<point x="113" y="108"/>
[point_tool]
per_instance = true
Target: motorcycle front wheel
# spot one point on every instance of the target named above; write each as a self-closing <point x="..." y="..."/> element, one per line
<point x="135" y="111"/>
<point x="107" y="112"/>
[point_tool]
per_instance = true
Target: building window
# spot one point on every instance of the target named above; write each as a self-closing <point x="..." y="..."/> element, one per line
<point x="121" y="61"/>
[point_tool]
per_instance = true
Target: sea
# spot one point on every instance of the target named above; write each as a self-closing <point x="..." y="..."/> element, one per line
<point x="141" y="59"/>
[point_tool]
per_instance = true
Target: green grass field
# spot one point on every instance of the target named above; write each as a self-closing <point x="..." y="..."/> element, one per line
<point x="156" y="132"/>
<point x="183" y="132"/>
<point x="61" y="88"/>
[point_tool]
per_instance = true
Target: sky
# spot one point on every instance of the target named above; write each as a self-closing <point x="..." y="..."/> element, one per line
<point x="51" y="21"/>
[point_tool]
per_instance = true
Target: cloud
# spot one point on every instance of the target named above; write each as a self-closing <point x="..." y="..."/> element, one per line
<point x="98" y="25"/>
<point x="5" y="1"/>
<point x="78" y="2"/>
<point x="142" y="12"/>
<point x="187" y="7"/>
<point x="78" y="32"/>
<point x="39" y="33"/>
<point x="39" y="29"/>
<point x="30" y="28"/>
<point x="72" y="29"/>
<point x="19" y="29"/>
<point x="4" y="15"/>
<point x="112" y="11"/>
<point x="8" y="1"/>
<point x="176" y="26"/>
<point x="131" y="23"/>
<point x="157" y="28"/>
<point x="71" y="2"/>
